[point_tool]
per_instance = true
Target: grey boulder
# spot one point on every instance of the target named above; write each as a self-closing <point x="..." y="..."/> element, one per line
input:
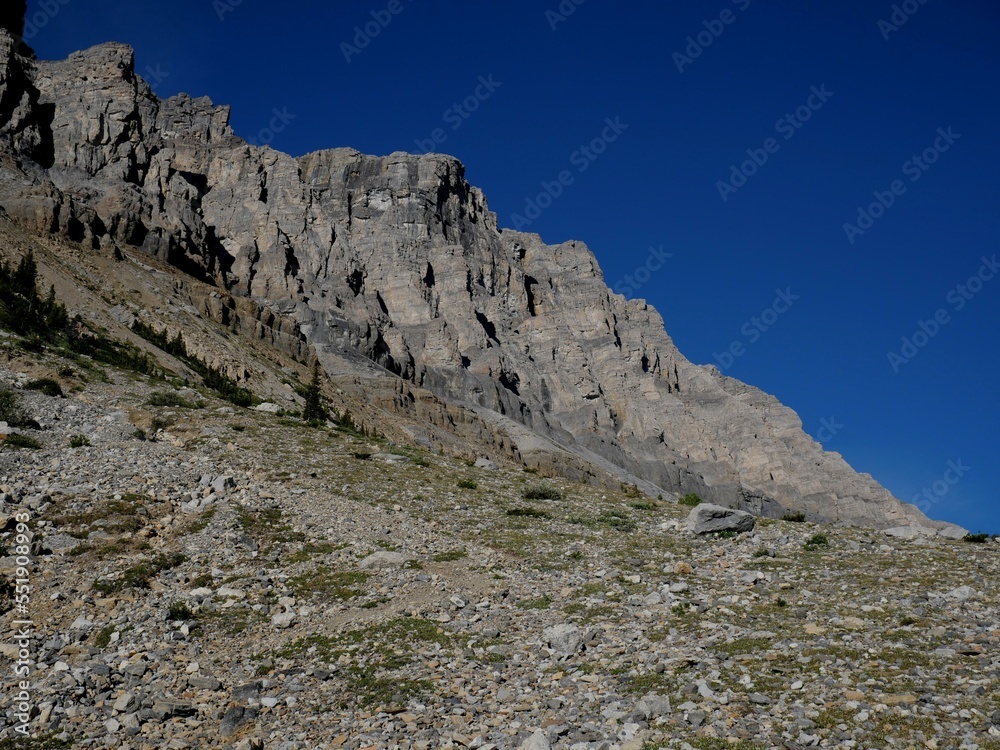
<point x="708" y="519"/>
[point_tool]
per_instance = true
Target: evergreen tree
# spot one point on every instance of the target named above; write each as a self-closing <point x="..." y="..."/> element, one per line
<point x="313" y="412"/>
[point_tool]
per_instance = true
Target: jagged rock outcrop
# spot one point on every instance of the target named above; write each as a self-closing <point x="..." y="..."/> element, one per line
<point x="398" y="261"/>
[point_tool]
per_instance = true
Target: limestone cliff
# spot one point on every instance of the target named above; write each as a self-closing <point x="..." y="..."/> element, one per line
<point x="398" y="261"/>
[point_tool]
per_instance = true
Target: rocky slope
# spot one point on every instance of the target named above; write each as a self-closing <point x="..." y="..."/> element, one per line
<point x="247" y="582"/>
<point x="393" y="269"/>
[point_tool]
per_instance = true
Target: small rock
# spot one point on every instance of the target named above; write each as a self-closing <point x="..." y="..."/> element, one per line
<point x="653" y="706"/>
<point x="537" y="741"/>
<point x="283" y="620"/>
<point x="385" y="559"/>
<point x="564" y="639"/>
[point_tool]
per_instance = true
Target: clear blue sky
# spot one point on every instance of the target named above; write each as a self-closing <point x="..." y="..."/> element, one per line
<point x="691" y="115"/>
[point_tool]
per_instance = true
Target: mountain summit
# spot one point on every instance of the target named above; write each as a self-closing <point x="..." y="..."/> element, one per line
<point x="394" y="272"/>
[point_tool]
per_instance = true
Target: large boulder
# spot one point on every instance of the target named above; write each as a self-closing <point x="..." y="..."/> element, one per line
<point x="708" y="519"/>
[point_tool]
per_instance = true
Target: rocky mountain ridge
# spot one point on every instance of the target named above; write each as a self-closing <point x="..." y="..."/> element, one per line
<point x="394" y="272"/>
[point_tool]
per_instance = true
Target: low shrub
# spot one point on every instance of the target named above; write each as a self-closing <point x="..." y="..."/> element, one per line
<point x="541" y="492"/>
<point x="976" y="538"/>
<point x="690" y="499"/>
<point x="79" y="441"/>
<point x="48" y="386"/>
<point x="18" y="440"/>
<point x="796" y="517"/>
<point x="816" y="541"/>
<point x="11" y="410"/>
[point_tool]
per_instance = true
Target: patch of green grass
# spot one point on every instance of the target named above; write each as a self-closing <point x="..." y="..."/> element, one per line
<point x="46" y="742"/>
<point x="643" y="506"/>
<point x="328" y="585"/>
<point x="103" y="637"/>
<point x="541" y="492"/>
<point x="615" y="519"/>
<point x="232" y="621"/>
<point x="47" y="386"/>
<point x="691" y="500"/>
<point x="311" y="549"/>
<point x="376" y="653"/>
<point x="542" y="602"/>
<point x="467" y="484"/>
<point x="763" y="552"/>
<point x="79" y="441"/>
<point x="451" y="556"/>
<point x="139" y="576"/>
<point x="723" y="534"/>
<point x="202" y="522"/>
<point x="526" y="512"/>
<point x="267" y="526"/>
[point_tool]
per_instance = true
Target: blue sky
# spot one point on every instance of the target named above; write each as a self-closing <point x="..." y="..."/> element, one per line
<point x="748" y="134"/>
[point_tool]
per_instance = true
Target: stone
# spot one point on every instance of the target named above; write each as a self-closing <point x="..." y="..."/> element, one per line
<point x="909" y="532"/>
<point x="126" y="703"/>
<point x="653" y="706"/>
<point x="283" y="620"/>
<point x="953" y="532"/>
<point x="268" y="408"/>
<point x="165" y="708"/>
<point x="222" y="484"/>
<point x="486" y="464"/>
<point x="60" y="544"/>
<point x="564" y="639"/>
<point x="707" y="518"/>
<point x="232" y="720"/>
<point x="961" y="594"/>
<point x="204" y="683"/>
<point x="385" y="559"/>
<point x="537" y="741"/>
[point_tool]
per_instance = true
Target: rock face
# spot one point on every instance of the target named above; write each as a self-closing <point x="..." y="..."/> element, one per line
<point x="398" y="261"/>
